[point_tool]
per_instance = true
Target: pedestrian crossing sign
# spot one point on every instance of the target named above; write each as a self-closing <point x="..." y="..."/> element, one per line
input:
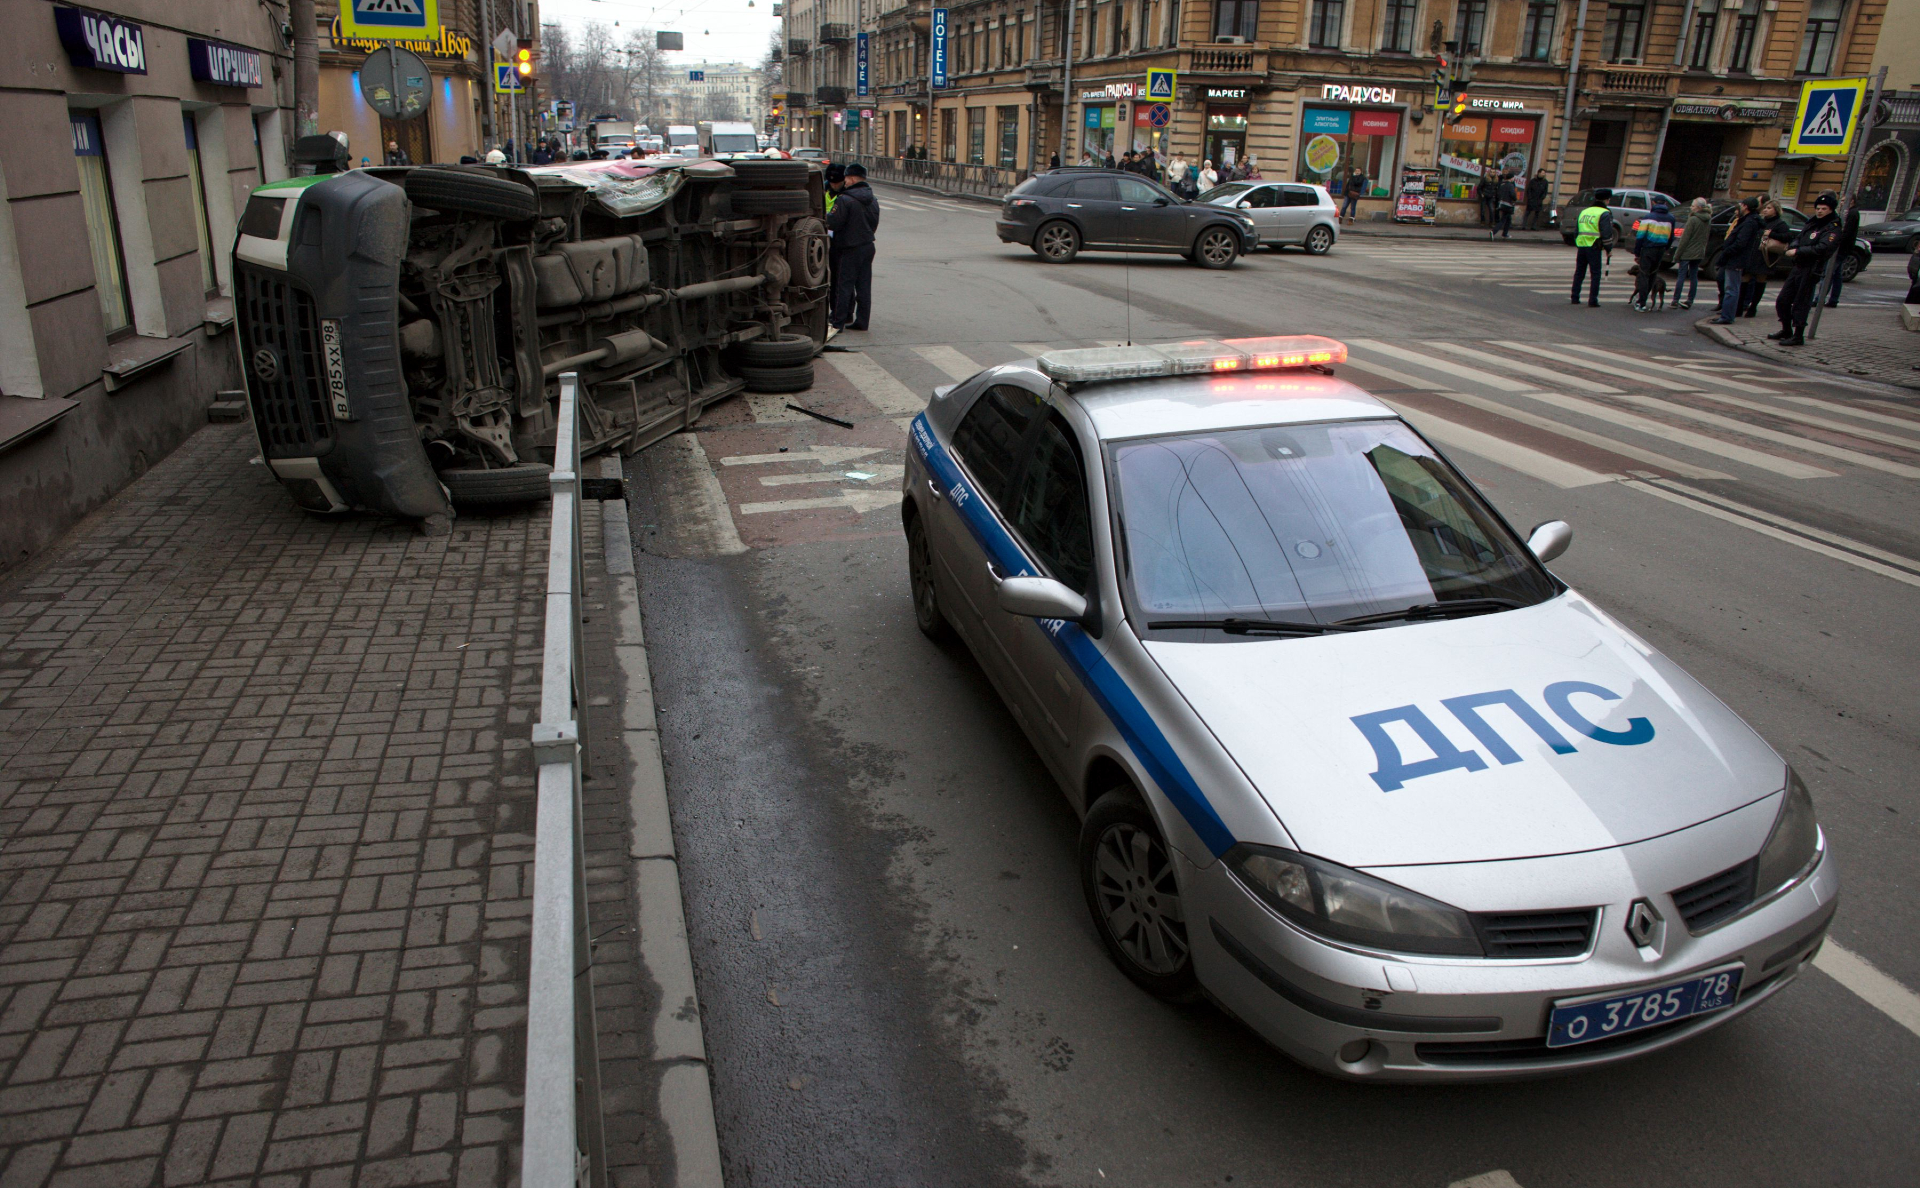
<point x="1828" y="117"/>
<point x="390" y="20"/>
<point x="506" y="80"/>
<point x="1160" y="85"/>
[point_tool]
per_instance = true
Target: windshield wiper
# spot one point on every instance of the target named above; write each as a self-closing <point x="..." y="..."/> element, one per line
<point x="1245" y="626"/>
<point x="1434" y="610"/>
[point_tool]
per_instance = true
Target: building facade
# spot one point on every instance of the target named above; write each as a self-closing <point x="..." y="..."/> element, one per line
<point x="1689" y="97"/>
<point x="723" y="91"/>
<point x="453" y="124"/>
<point x="133" y="139"/>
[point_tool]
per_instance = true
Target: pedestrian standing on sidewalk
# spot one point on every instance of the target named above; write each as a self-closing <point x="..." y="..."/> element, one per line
<point x="1593" y="236"/>
<point x="1355" y="186"/>
<point x="1776" y="236"/>
<point x="1812" y="248"/>
<point x="1484" y="192"/>
<point x="1690" y="252"/>
<point x="1652" y="236"/>
<point x="1537" y="188"/>
<point x="1739" y="255"/>
<point x="1506" y="194"/>
<point x="1208" y="178"/>
<point x="1849" y="231"/>
<point x="1913" y="274"/>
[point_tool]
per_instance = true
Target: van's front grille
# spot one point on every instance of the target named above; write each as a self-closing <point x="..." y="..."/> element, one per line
<point x="280" y="349"/>
<point x="1716" y="897"/>
<point x="1535" y="934"/>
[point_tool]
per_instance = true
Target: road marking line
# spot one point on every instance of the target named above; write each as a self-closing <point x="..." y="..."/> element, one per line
<point x="956" y="365"/>
<point x="1905" y="443"/>
<point x="1498" y="1178"/>
<point x="1704" y="376"/>
<point x="1441" y="365"/>
<point x="1706" y="444"/>
<point x="708" y="506"/>
<point x="1833" y="538"/>
<point x="1734" y="424"/>
<point x="1604" y="369"/>
<point x="1611" y="444"/>
<point x="882" y="473"/>
<point x="1527" y="461"/>
<point x="1878" y="990"/>
<point x="1035" y="349"/>
<point x="825" y="455"/>
<point x="1585" y="385"/>
<point x="1398" y="377"/>
<point x="1849" y="410"/>
<point x="874" y="382"/>
<point x="1663" y="491"/>
<point x="857" y="500"/>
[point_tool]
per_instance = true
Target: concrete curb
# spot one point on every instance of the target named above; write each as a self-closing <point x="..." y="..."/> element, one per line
<point x="1726" y="338"/>
<point x="679" y="1044"/>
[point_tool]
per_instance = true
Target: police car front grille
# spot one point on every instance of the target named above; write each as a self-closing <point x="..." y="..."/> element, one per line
<point x="1535" y="934"/>
<point x="290" y="405"/>
<point x="1716" y="897"/>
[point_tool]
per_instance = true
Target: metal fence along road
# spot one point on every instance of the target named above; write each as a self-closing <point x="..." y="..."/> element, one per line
<point x="565" y="1143"/>
<point x="950" y="177"/>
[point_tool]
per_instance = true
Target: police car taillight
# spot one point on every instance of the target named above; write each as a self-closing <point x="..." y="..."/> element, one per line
<point x="1207" y="355"/>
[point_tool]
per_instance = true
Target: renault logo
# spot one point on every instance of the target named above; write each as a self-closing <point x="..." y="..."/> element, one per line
<point x="1645" y="926"/>
<point x="266" y="364"/>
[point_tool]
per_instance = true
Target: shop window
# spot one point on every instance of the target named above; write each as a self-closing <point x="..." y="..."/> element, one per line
<point x="1620" y="38"/>
<point x="1470" y="25"/>
<point x="103" y="223"/>
<point x="1009" y="138"/>
<point x="1823" y="29"/>
<point x="1328" y="16"/>
<point x="197" y="181"/>
<point x="1704" y="25"/>
<point x="1236" y="18"/>
<point x="1336" y="140"/>
<point x="948" y="142"/>
<point x="1484" y="147"/>
<point x="1396" y="35"/>
<point x="1746" y="27"/>
<point x="1536" y="37"/>
<point x="976" y="136"/>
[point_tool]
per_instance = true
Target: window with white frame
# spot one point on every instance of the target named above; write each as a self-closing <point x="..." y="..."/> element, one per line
<point x="103" y="222"/>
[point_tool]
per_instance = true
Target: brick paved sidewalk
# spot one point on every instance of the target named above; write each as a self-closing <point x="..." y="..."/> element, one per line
<point x="265" y="802"/>
<point x="1862" y="341"/>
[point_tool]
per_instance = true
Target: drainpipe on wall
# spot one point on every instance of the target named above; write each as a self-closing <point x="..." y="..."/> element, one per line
<point x="1566" y="105"/>
<point x="1066" y="83"/>
<point x="306" y="69"/>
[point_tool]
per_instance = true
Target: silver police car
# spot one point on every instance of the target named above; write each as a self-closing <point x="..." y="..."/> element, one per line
<point x="1350" y="760"/>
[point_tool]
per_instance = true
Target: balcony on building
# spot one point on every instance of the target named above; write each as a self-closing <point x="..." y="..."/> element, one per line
<point x="830" y="96"/>
<point x="1225" y="58"/>
<point x="799" y="99"/>
<point x="797" y="47"/>
<point x="1632" y="84"/>
<point x="835" y="33"/>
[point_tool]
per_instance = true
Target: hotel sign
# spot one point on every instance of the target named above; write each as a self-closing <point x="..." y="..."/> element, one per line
<point x="1357" y="94"/>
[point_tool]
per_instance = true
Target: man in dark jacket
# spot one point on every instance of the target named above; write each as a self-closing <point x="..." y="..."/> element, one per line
<point x="1739" y="253"/>
<point x="1536" y="200"/>
<point x="1811" y="250"/>
<point x="852" y="221"/>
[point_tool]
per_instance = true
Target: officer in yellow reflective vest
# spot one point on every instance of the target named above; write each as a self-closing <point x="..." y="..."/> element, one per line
<point x="1593" y="236"/>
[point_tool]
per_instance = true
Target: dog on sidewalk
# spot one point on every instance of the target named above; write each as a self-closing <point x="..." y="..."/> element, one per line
<point x="1657" y="298"/>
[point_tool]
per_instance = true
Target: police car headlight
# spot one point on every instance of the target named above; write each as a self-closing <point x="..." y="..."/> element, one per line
<point x="1345" y="905"/>
<point x="1794" y="845"/>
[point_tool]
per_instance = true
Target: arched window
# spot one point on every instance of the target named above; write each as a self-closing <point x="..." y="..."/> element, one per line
<point x="1876" y="182"/>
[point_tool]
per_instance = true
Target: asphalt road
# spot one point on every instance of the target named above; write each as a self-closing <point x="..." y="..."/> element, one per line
<point x="899" y="980"/>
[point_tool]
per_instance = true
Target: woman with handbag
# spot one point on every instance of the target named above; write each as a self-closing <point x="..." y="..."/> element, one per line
<point x="1776" y="236"/>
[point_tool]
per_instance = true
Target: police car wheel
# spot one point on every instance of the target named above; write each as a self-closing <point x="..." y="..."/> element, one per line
<point x="1126" y="871"/>
<point x="470" y="191"/>
<point x="1216" y="248"/>
<point x="1057" y="243"/>
<point x="927" y="614"/>
<point x="504" y="487"/>
<point x="778" y="379"/>
<point x="1319" y="241"/>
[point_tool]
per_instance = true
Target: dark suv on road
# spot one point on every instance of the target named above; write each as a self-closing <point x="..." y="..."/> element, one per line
<point x="1061" y="213"/>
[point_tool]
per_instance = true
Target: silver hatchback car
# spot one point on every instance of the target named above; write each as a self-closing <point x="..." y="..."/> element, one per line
<point x="1349" y="759"/>
<point x="1283" y="213"/>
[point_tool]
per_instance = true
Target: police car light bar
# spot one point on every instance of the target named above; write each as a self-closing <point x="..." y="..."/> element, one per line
<point x="1207" y="355"/>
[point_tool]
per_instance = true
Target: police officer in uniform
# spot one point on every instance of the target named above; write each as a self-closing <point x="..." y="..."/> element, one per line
<point x="1818" y="240"/>
<point x="854" y="218"/>
<point x="1593" y="236"/>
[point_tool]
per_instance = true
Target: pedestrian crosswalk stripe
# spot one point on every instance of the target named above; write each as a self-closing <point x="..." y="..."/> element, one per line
<point x="1838" y="453"/>
<point x="1528" y="461"/>
<point x="1398" y="377"/>
<point x="1758" y="459"/>
<point x="1865" y="434"/>
<point x="1614" y="445"/>
<point x="956" y="365"/>
<point x="1479" y="375"/>
<point x="1705" y="377"/>
<point x="1603" y="368"/>
<point x="1863" y="414"/>
<point x="1558" y="377"/>
<point x="874" y="382"/>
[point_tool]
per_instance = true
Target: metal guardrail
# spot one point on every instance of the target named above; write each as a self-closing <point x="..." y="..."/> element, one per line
<point x="986" y="181"/>
<point x="564" y="1140"/>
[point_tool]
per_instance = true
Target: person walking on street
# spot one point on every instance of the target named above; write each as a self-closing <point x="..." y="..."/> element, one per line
<point x="1356" y="185"/>
<point x="1483" y="190"/>
<point x="1739" y="254"/>
<point x="852" y="222"/>
<point x="1812" y="248"/>
<point x="1594" y="235"/>
<point x="1849" y="231"/>
<point x="1536" y="200"/>
<point x="1505" y="195"/>
<point x="1652" y="236"/>
<point x="1690" y="252"/>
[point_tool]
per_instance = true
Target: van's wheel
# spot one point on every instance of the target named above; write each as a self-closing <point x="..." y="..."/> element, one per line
<point x="1057" y="242"/>
<point x="807" y="253"/>
<point x="778" y="379"/>
<point x="784" y="350"/>
<point x="504" y="487"/>
<point x="765" y="202"/>
<point x="470" y="191"/>
<point x="1216" y="248"/>
<point x="1319" y="241"/>
<point x="927" y="614"/>
<point x="1126" y="871"/>
<point x="771" y="175"/>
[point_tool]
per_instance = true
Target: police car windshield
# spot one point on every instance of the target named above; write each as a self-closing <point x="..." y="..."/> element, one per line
<point x="1306" y="524"/>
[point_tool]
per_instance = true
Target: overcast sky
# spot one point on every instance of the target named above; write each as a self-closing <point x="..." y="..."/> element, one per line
<point x="716" y="30"/>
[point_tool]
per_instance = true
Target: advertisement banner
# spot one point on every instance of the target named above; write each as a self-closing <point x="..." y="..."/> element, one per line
<point x="1418" y="196"/>
<point x="1376" y="123"/>
<point x="939" y="48"/>
<point x="860" y="68"/>
<point x="1326" y="121"/>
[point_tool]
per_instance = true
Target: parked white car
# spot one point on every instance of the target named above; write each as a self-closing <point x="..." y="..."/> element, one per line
<point x="1286" y="213"/>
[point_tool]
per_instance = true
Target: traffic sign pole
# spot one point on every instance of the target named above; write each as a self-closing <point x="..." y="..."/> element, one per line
<point x="1848" y="195"/>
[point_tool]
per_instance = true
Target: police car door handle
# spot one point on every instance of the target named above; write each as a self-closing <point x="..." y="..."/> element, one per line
<point x="934" y="490"/>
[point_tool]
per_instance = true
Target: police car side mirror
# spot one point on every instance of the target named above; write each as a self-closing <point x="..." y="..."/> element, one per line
<point x="1041" y="598"/>
<point x="1550" y="539"/>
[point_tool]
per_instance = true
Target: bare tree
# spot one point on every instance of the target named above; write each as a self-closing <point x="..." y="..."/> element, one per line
<point x="601" y="74"/>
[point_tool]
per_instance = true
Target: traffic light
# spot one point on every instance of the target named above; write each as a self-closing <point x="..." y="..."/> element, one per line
<point x="1459" y="107"/>
<point x="523" y="60"/>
